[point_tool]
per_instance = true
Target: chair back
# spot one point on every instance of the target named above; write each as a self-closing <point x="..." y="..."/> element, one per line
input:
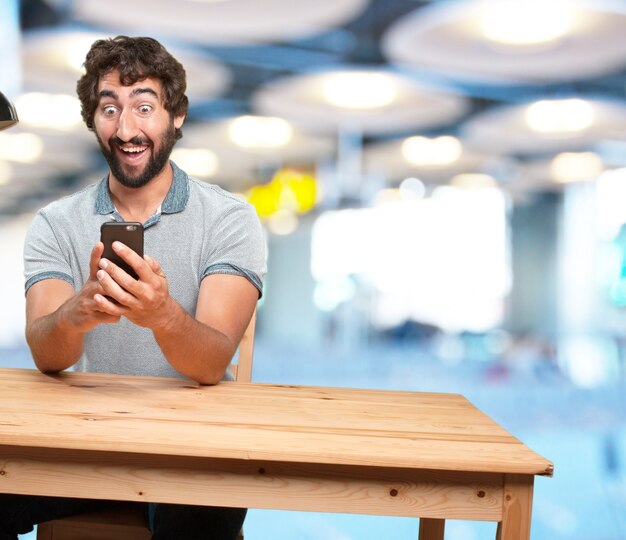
<point x="242" y="370"/>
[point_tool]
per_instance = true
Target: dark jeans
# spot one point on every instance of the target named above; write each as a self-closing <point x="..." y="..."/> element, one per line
<point x="18" y="514"/>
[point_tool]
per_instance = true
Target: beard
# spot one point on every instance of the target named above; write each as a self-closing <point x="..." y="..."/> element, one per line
<point x="158" y="160"/>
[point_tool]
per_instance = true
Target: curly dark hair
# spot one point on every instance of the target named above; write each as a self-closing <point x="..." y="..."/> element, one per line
<point x="136" y="58"/>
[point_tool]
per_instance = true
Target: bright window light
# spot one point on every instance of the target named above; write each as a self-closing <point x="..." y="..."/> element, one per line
<point x="610" y="210"/>
<point x="359" y="90"/>
<point x="560" y="116"/>
<point x="260" y="132"/>
<point x="525" y="22"/>
<point x="441" y="261"/>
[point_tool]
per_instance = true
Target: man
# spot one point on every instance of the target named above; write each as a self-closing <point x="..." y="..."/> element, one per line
<point x="197" y="285"/>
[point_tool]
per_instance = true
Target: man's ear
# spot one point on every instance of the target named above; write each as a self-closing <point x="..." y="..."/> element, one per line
<point x="178" y="121"/>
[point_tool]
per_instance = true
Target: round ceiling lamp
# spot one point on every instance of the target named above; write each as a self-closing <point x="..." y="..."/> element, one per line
<point x="239" y="165"/>
<point x="436" y="152"/>
<point x="52" y="62"/>
<point x="511" y="41"/>
<point x="259" y="132"/>
<point x="421" y="160"/>
<point x="546" y="126"/>
<point x="524" y="23"/>
<point x="359" y="90"/>
<point x="370" y="101"/>
<point x="576" y="166"/>
<point x="564" y="116"/>
<point x="221" y="22"/>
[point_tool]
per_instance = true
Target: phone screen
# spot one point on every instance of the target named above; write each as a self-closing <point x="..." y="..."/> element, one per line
<point x="129" y="233"/>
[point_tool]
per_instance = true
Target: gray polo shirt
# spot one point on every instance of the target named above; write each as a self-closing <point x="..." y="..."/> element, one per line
<point x="199" y="230"/>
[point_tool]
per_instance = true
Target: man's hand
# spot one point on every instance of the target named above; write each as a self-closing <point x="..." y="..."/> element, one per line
<point x="199" y="346"/>
<point x="145" y="301"/>
<point x="81" y="312"/>
<point x="57" y="318"/>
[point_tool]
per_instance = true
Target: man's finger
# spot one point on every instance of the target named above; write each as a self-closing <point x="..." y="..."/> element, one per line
<point x="110" y="312"/>
<point x="96" y="255"/>
<point x="116" y="283"/>
<point x="136" y="261"/>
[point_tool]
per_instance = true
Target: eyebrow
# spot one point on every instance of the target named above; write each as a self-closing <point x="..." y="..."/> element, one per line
<point x="138" y="91"/>
<point x="135" y="92"/>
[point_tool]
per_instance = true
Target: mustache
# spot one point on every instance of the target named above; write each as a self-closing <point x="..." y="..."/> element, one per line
<point x="138" y="141"/>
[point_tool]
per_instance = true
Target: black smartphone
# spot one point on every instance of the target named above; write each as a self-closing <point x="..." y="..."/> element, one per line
<point x="130" y="233"/>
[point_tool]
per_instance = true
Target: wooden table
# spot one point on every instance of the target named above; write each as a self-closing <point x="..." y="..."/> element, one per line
<point x="433" y="456"/>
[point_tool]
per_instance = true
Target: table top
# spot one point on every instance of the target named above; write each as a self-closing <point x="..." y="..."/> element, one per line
<point x="254" y="421"/>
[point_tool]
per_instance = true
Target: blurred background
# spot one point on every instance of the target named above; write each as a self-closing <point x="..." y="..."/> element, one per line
<point x="443" y="188"/>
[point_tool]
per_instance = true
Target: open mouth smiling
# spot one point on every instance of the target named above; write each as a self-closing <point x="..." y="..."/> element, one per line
<point x="132" y="152"/>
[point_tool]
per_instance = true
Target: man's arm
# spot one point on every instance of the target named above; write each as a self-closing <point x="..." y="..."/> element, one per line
<point x="202" y="348"/>
<point x="199" y="347"/>
<point x="57" y="318"/>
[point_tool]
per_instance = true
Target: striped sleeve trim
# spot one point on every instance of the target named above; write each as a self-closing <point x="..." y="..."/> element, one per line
<point x="48" y="275"/>
<point x="226" y="268"/>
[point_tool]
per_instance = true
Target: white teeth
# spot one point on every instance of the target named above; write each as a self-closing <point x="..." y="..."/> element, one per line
<point x="133" y="150"/>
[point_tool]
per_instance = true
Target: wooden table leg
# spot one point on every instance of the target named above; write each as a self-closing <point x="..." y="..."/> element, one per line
<point x="431" y="529"/>
<point x="517" y="508"/>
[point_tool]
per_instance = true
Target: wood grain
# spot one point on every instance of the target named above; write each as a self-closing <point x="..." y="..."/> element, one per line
<point x="517" y="509"/>
<point x="332" y="488"/>
<point x="262" y="422"/>
<point x="427" y="455"/>
<point x="432" y="529"/>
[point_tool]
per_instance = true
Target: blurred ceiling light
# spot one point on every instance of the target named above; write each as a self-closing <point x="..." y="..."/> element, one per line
<point x="5" y="173"/>
<point x="56" y="111"/>
<point x="437" y="152"/>
<point x="260" y="132"/>
<point x="197" y="161"/>
<point x="283" y="222"/>
<point x="473" y="181"/>
<point x="412" y="188"/>
<point x="359" y="90"/>
<point x="525" y="22"/>
<point x="21" y="147"/>
<point x="560" y="116"/>
<point x="576" y="166"/>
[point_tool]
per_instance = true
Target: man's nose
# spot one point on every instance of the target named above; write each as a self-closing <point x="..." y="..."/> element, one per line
<point x="127" y="126"/>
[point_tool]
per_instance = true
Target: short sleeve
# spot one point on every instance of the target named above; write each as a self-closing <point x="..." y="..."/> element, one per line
<point x="238" y="246"/>
<point x="43" y="257"/>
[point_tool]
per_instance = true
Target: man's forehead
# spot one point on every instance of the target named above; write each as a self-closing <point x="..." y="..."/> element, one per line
<point x="111" y="81"/>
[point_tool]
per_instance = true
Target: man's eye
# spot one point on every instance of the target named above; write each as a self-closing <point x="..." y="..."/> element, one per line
<point x="145" y="109"/>
<point x="109" y="110"/>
